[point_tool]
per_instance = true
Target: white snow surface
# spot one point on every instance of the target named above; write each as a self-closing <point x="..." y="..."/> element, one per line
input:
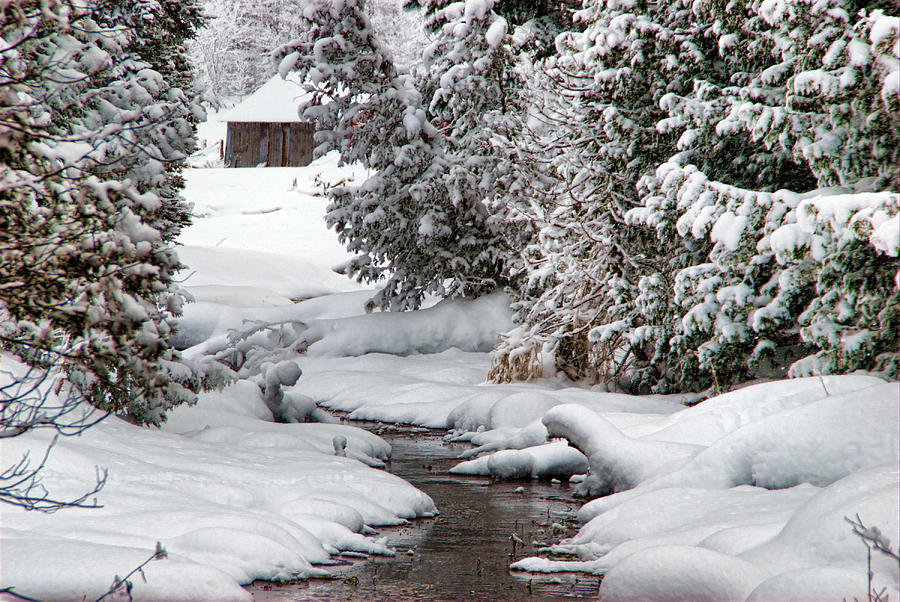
<point x="277" y="210"/>
<point x="232" y="496"/>
<point x="445" y="390"/>
<point x="259" y="242"/>
<point x="266" y="278"/>
<point x="741" y="497"/>
<point x="550" y="460"/>
<point x="461" y="324"/>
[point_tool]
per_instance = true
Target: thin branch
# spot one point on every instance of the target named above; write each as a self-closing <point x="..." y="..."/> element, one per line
<point x="120" y="583"/>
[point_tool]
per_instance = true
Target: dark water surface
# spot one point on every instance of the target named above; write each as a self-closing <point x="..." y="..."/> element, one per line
<point x="465" y="552"/>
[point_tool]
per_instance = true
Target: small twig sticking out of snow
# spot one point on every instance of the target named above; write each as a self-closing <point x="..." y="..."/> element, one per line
<point x="822" y="380"/>
<point x="873" y="538"/>
<point x="122" y="583"/>
<point x="515" y="540"/>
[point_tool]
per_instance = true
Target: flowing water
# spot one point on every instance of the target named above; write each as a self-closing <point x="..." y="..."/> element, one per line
<point x="465" y="552"/>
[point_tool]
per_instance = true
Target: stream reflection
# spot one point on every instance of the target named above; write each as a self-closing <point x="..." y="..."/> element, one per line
<point x="465" y="552"/>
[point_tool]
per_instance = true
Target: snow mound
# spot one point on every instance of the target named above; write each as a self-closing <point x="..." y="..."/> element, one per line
<point x="751" y="436"/>
<point x="822" y="583"/>
<point x="814" y="556"/>
<point x="447" y="390"/>
<point x="741" y="497"/>
<point x="232" y="498"/>
<point x="709" y="421"/>
<point x="469" y="325"/>
<point x="76" y="576"/>
<point x="551" y="460"/>
<point x="679" y="573"/>
<point x="819" y="442"/>
<point x="205" y="324"/>
<point x="218" y="275"/>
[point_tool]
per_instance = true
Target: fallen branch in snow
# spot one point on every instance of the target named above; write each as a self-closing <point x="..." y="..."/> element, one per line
<point x="10" y="591"/>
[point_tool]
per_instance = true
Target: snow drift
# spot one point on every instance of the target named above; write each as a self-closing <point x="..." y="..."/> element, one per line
<point x="743" y="496"/>
<point x="230" y="495"/>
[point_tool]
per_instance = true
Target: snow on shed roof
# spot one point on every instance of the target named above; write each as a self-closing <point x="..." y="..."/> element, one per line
<point x="276" y="101"/>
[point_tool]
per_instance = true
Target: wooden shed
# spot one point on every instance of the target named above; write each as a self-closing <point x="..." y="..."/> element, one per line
<point x="265" y="130"/>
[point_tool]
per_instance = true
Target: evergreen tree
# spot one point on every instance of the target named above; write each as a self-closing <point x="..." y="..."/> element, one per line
<point x="157" y="32"/>
<point x="85" y="273"/>
<point x="740" y="309"/>
<point x="590" y="309"/>
<point x="667" y="277"/>
<point x="426" y="222"/>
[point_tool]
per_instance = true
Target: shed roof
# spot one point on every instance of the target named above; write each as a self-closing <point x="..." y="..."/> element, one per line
<point x="276" y="101"/>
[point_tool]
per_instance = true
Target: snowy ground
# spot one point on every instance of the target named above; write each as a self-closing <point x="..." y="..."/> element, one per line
<point x="740" y="497"/>
<point x="232" y="495"/>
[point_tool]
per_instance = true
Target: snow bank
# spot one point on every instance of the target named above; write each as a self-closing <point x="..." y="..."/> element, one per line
<point x="213" y="272"/>
<point x="551" y="460"/>
<point x="332" y="327"/>
<point x="416" y="389"/>
<point x="683" y="573"/>
<point x="709" y="421"/>
<point x="206" y="324"/>
<point x="232" y="498"/>
<point x="818" y="534"/>
<point x="446" y="390"/>
<point x="469" y="325"/>
<point x="741" y="497"/>
<point x="748" y="436"/>
<point x="77" y="574"/>
<point x="819" y="442"/>
<point x="728" y="521"/>
<point x="617" y="461"/>
<point x="814" y="556"/>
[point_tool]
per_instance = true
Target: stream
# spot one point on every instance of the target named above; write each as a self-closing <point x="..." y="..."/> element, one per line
<point x="465" y="552"/>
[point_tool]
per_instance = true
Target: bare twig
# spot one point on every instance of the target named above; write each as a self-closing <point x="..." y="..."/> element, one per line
<point x="873" y="539"/>
<point x="34" y="398"/>
<point x="124" y="583"/>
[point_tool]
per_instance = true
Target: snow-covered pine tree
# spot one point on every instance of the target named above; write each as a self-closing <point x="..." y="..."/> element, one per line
<point x="587" y="269"/>
<point x="473" y="76"/>
<point x="805" y="81"/>
<point x="842" y="102"/>
<point x="157" y="33"/>
<point x="424" y="221"/>
<point x="85" y="278"/>
<point x="683" y="289"/>
<point x="711" y="297"/>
